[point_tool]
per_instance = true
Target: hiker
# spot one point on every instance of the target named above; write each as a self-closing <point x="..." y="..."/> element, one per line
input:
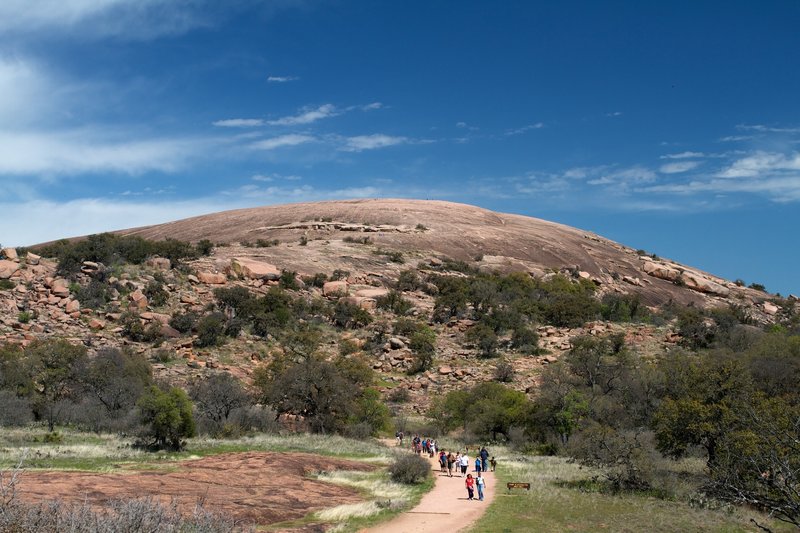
<point x="480" y="482"/>
<point x="464" y="464"/>
<point x="442" y="461"/>
<point x="470" y="483"/>
<point x="450" y="460"/>
<point x="478" y="464"/>
<point x="493" y="462"/>
<point x="484" y="458"/>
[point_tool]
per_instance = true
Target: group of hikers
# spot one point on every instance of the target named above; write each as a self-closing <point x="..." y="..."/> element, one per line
<point x="460" y="461"/>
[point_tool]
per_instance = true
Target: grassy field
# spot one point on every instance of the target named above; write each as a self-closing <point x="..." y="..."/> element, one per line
<point x="108" y="453"/>
<point x="563" y="498"/>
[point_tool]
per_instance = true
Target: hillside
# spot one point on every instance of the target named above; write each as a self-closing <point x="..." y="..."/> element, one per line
<point x="367" y="245"/>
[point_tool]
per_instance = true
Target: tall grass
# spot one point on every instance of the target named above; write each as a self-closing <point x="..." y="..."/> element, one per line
<point x="566" y="497"/>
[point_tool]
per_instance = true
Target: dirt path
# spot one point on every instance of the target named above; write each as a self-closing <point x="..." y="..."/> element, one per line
<point x="444" y="509"/>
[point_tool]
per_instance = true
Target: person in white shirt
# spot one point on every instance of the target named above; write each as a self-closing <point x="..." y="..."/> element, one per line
<point x="464" y="464"/>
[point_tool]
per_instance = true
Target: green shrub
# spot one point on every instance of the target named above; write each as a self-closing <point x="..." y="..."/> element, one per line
<point x="504" y="372"/>
<point x="394" y="302"/>
<point x="410" y="469"/>
<point x="288" y="280"/>
<point x="6" y="284"/>
<point x="210" y="330"/>
<point x="349" y="315"/>
<point x="205" y="247"/>
<point x="184" y="322"/>
<point x="166" y="418"/>
<point x="24" y="317"/>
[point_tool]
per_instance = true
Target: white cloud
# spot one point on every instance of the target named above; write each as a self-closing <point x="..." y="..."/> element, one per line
<point x="292" y="139"/>
<point x="614" y="114"/>
<point x="683" y="155"/>
<point x="371" y="142"/>
<point x="761" y="128"/>
<point x="525" y="129"/>
<point x="761" y="164"/>
<point x="282" y="79"/>
<point x="239" y="123"/>
<point x="138" y="19"/>
<point x="737" y="138"/>
<point x="80" y="151"/>
<point x="306" y="116"/>
<point x="678" y="167"/>
<point x="372" y="106"/>
<point x="275" y="177"/>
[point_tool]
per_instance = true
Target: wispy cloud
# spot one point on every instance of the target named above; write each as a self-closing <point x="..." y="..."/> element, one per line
<point x="371" y="142"/>
<point x="292" y="139"/>
<point x="275" y="177"/>
<point x="239" y="123"/>
<point x="525" y="129"/>
<point x="762" y="164"/>
<point x="614" y="114"/>
<point x="282" y="79"/>
<point x="683" y="155"/>
<point x="678" y="167"/>
<point x="306" y="116"/>
<point x="91" y="151"/>
<point x="737" y="138"/>
<point x="761" y="128"/>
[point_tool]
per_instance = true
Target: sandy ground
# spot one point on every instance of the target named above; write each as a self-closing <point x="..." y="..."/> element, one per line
<point x="254" y="487"/>
<point x="444" y="509"/>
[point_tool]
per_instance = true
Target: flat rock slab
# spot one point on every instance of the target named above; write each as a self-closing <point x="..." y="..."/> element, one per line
<point x="254" y="487"/>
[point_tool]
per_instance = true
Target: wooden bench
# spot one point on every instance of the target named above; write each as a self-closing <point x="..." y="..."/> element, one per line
<point x="526" y="486"/>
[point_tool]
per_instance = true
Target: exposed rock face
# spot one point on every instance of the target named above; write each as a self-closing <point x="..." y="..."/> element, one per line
<point x="254" y="269"/>
<point x="703" y="284"/>
<point x="9" y="253"/>
<point x="372" y="293"/>
<point x="8" y="268"/>
<point x="212" y="278"/>
<point x="661" y="271"/>
<point x="138" y="300"/>
<point x="335" y="288"/>
<point x="160" y="263"/>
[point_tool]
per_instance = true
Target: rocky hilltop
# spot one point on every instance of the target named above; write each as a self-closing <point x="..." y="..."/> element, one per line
<point x="427" y="228"/>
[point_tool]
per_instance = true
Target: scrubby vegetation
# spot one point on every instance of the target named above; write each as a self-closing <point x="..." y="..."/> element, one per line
<point x="719" y="393"/>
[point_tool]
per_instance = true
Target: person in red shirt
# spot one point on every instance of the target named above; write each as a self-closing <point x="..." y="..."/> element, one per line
<point x="470" y="482"/>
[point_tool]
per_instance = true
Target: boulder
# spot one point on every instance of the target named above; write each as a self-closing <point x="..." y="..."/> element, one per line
<point x="96" y="324"/>
<point x="159" y="263"/>
<point x="372" y="293"/>
<point x="10" y="254"/>
<point x="702" y="284"/>
<point x="212" y="278"/>
<point x="8" y="268"/>
<point x="157" y="317"/>
<point x="138" y="300"/>
<point x="661" y="271"/>
<point x="32" y="259"/>
<point x="770" y="308"/>
<point x="59" y="288"/>
<point x="253" y="269"/>
<point x="445" y="370"/>
<point x="72" y="306"/>
<point x="632" y="281"/>
<point x="335" y="288"/>
<point x="396" y="344"/>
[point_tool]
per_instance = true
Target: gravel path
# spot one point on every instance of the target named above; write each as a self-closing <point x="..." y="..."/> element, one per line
<point x="444" y="509"/>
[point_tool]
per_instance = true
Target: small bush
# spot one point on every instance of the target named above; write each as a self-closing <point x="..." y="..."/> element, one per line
<point x="6" y="284"/>
<point x="504" y="372"/>
<point x="210" y="330"/>
<point x="24" y="317"/>
<point x="340" y="275"/>
<point x="410" y="469"/>
<point x="758" y="287"/>
<point x="264" y="243"/>
<point x="184" y="322"/>
<point x="317" y="280"/>
<point x="357" y="240"/>
<point x="288" y="280"/>
<point x="399" y="395"/>
<point x="303" y="240"/>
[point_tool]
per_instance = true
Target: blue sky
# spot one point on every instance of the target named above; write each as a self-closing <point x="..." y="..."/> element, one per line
<point x="668" y="126"/>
